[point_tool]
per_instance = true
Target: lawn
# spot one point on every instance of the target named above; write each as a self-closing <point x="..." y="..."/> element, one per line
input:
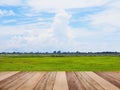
<point x="71" y="63"/>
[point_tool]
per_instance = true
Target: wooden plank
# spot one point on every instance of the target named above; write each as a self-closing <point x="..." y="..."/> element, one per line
<point x="105" y="84"/>
<point x="3" y="73"/>
<point x="46" y="82"/>
<point x="41" y="84"/>
<point x="73" y="82"/>
<point x="88" y="82"/>
<point x="11" y="79"/>
<point x="61" y="81"/>
<point x="50" y="81"/>
<point x="7" y="75"/>
<point x="30" y="84"/>
<point x="114" y="75"/>
<point x="16" y="83"/>
<point x="114" y="78"/>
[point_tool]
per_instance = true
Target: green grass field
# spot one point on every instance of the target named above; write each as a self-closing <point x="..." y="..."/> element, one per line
<point x="71" y="63"/>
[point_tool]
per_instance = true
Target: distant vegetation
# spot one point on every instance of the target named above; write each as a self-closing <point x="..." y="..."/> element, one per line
<point x="59" y="53"/>
<point x="60" y="61"/>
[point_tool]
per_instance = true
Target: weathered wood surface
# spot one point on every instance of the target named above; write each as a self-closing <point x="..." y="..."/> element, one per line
<point x="59" y="80"/>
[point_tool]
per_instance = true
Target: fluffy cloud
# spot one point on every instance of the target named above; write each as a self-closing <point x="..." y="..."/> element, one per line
<point x="101" y="33"/>
<point x="107" y="20"/>
<point x="6" y="13"/>
<point x="10" y="2"/>
<point x="60" y="24"/>
<point x="64" y="4"/>
<point x="54" y="4"/>
<point x="22" y="39"/>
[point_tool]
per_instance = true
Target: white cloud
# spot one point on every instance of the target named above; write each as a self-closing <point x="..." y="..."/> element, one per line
<point x="54" y="4"/>
<point x="64" y="4"/>
<point x="107" y="19"/>
<point x="9" y="21"/>
<point x="61" y="36"/>
<point x="63" y="31"/>
<point x="10" y="2"/>
<point x="60" y="24"/>
<point x="11" y="30"/>
<point x="24" y="37"/>
<point x="6" y="13"/>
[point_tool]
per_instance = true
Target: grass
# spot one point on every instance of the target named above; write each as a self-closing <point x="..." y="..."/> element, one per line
<point x="71" y="63"/>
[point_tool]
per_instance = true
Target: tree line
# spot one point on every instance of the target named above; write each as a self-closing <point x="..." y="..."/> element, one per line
<point x="77" y="53"/>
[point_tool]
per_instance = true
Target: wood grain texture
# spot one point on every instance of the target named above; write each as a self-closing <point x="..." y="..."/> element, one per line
<point x="105" y="84"/>
<point x="30" y="84"/>
<point x="73" y="82"/>
<point x="60" y="80"/>
<point x="46" y="82"/>
<point x="112" y="77"/>
<point x="5" y="75"/>
<point x="16" y="83"/>
<point x="88" y="82"/>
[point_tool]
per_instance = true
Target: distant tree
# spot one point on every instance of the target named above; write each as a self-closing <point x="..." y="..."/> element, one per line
<point x="59" y="52"/>
<point x="46" y="53"/>
<point x="3" y="53"/>
<point x="14" y="52"/>
<point x="31" y="52"/>
<point x="77" y="52"/>
<point x="54" y="52"/>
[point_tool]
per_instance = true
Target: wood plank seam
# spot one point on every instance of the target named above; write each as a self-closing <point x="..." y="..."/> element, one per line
<point x="105" y="84"/>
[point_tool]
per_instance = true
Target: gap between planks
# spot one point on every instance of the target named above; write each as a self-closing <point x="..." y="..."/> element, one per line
<point x="5" y="75"/>
<point x="60" y="81"/>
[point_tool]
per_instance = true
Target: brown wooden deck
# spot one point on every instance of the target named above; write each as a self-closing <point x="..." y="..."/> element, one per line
<point x="59" y="80"/>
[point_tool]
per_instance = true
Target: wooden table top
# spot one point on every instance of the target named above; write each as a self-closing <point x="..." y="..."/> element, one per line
<point x="59" y="80"/>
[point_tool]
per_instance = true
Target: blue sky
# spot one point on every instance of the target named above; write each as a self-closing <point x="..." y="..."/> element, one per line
<point x="66" y="25"/>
